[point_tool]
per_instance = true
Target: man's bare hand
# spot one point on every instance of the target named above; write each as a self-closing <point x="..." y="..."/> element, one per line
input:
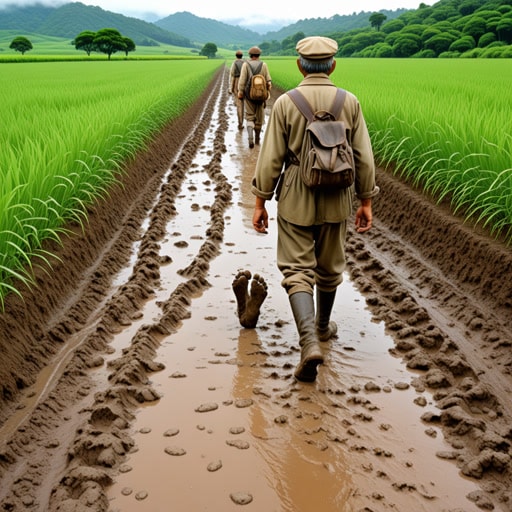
<point x="260" y="219"/>
<point x="364" y="218"/>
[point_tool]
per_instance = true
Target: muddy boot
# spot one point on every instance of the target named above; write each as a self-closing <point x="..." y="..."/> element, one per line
<point x="325" y="328"/>
<point x="250" y="133"/>
<point x="257" y="132"/>
<point x="303" y="309"/>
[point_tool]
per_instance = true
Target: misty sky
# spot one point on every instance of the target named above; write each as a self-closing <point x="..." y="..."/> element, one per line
<point x="242" y="12"/>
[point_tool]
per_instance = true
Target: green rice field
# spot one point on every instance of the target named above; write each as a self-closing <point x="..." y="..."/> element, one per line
<point x="444" y="124"/>
<point x="68" y="126"/>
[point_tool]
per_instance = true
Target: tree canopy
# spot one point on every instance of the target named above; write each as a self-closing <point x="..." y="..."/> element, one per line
<point x="106" y="40"/>
<point x="448" y="28"/>
<point x="209" y="50"/>
<point x="21" y="44"/>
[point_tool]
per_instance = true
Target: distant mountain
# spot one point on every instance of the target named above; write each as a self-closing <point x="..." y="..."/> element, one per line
<point x="179" y="29"/>
<point x="71" y="19"/>
<point x="206" y="30"/>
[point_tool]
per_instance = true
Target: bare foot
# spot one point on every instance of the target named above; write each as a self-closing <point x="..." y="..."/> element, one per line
<point x="249" y="304"/>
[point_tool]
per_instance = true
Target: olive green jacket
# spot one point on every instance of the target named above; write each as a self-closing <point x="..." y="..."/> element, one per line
<point x="297" y="203"/>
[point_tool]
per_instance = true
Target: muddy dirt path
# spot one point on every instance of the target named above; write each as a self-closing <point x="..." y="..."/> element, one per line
<point x="128" y="383"/>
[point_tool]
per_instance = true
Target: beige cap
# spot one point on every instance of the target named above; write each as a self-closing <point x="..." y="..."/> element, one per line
<point x="254" y="51"/>
<point x="317" y="48"/>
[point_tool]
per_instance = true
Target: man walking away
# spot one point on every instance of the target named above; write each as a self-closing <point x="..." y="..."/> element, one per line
<point x="234" y="74"/>
<point x="254" y="110"/>
<point x="311" y="224"/>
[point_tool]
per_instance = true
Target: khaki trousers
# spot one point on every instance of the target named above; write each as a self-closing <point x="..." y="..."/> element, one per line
<point x="311" y="255"/>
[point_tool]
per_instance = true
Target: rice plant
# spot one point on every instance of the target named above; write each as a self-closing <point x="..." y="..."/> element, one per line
<point x="67" y="129"/>
<point x="443" y="124"/>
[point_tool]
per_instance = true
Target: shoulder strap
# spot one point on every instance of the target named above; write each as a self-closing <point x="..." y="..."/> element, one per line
<point x="305" y="108"/>
<point x="302" y="104"/>
<point x="337" y="105"/>
<point x="254" y="71"/>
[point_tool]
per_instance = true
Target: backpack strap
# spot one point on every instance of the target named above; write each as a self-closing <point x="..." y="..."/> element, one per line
<point x="302" y="104"/>
<point x="258" y="68"/>
<point x="337" y="105"/>
<point x="238" y="67"/>
<point x="305" y="108"/>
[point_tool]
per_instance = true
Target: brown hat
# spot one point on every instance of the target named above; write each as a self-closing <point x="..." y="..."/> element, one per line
<point x="239" y="53"/>
<point x="254" y="51"/>
<point x="317" y="48"/>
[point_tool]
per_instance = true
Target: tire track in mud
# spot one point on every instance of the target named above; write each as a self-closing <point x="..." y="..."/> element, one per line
<point x="102" y="440"/>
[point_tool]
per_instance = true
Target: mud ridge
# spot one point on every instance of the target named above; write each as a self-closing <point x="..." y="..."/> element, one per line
<point x="440" y="292"/>
<point x="101" y="447"/>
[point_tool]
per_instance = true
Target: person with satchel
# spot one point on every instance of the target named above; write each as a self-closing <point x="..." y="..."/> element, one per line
<point x="311" y="223"/>
<point x="254" y="110"/>
<point x="234" y="77"/>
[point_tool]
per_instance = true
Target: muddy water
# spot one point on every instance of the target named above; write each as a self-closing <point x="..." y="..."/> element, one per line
<point x="353" y="439"/>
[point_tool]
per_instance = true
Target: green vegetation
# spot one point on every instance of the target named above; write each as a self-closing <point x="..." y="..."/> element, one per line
<point x="106" y="40"/>
<point x="445" y="125"/>
<point x="65" y="133"/>
<point x="447" y="29"/>
<point x="21" y="44"/>
<point x="70" y="19"/>
<point x="46" y="48"/>
<point x="209" y="50"/>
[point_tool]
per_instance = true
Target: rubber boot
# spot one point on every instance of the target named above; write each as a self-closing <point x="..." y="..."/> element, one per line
<point x="257" y="133"/>
<point x="250" y="133"/>
<point x="311" y="356"/>
<point x="325" y="328"/>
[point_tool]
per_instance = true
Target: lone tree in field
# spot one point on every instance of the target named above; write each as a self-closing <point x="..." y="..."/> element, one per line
<point x="21" y="44"/>
<point x="109" y="41"/>
<point x="209" y="50"/>
<point x="85" y="41"/>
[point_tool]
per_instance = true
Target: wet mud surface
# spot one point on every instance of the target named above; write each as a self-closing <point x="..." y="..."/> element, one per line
<point x="130" y="384"/>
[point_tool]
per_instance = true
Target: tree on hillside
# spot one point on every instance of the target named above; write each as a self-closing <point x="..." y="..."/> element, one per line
<point x="85" y="41"/>
<point x="21" y="44"/>
<point x="109" y="41"/>
<point x="377" y="19"/>
<point x="209" y="50"/>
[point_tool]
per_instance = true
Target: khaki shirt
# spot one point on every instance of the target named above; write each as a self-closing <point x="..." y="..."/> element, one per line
<point x="297" y="203"/>
<point x="234" y="75"/>
<point x="245" y="74"/>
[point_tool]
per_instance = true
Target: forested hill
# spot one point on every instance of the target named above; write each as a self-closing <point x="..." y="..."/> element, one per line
<point x="71" y="19"/>
<point x="204" y="30"/>
<point x="447" y="29"/>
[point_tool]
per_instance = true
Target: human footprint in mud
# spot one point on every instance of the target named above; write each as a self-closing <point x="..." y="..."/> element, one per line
<point x="311" y="223"/>
<point x="249" y="301"/>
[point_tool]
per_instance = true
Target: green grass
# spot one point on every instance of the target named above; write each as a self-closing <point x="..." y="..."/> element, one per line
<point x="46" y="48"/>
<point x="443" y="124"/>
<point x="66" y="130"/>
<point x="68" y="126"/>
